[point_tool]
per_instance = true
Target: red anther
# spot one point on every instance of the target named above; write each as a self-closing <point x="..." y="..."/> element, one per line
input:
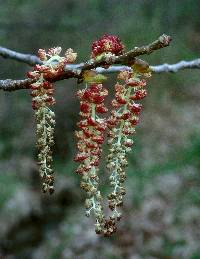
<point x="138" y="95"/>
<point x="80" y="157"/>
<point x="91" y="145"/>
<point x="82" y="124"/>
<point x="49" y="99"/>
<point x="134" y="121"/>
<point x="128" y="143"/>
<point x="101" y="108"/>
<point x="37" y="68"/>
<point x="115" y="103"/>
<point x="97" y="99"/>
<point x="30" y="74"/>
<point x="126" y="115"/>
<point x="95" y="163"/>
<point x="120" y="99"/>
<point x="96" y="88"/>
<point x="87" y="133"/>
<point x="133" y="82"/>
<point x="135" y="108"/>
<point x="107" y="43"/>
<point x="84" y="107"/>
<point x="126" y="132"/>
<point x="111" y="122"/>
<point x="98" y="139"/>
<point x="101" y="127"/>
<point x="86" y="95"/>
<point x="91" y="121"/>
<point x="47" y="85"/>
<point x="34" y="87"/>
<point x="143" y="83"/>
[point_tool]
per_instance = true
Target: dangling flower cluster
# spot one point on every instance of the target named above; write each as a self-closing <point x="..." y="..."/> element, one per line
<point x="107" y="44"/>
<point x="90" y="139"/>
<point x="124" y="117"/>
<point x="42" y="98"/>
<point x="121" y="126"/>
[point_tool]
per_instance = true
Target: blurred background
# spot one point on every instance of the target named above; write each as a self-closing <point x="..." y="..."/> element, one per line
<point x="161" y="211"/>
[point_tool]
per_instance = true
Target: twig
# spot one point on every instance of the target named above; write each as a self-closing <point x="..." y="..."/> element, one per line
<point x="126" y="58"/>
<point x="12" y="85"/>
<point x="25" y="58"/>
<point x="76" y="71"/>
<point x="173" y="68"/>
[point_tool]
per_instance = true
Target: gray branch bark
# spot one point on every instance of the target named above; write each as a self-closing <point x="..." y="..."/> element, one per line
<point x="76" y="70"/>
<point x="173" y="68"/>
<point x="25" y="58"/>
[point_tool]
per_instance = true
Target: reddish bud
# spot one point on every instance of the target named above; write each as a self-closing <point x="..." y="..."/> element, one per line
<point x="97" y="99"/>
<point x="133" y="82"/>
<point x="95" y="163"/>
<point x="80" y="157"/>
<point x="34" y="87"/>
<point x="91" y="121"/>
<point x="138" y="95"/>
<point x="135" y="108"/>
<point x="128" y="143"/>
<point x="108" y="43"/>
<point x="98" y="139"/>
<point x="101" y="127"/>
<point x="115" y="103"/>
<point x="84" y="107"/>
<point x="87" y="132"/>
<point x="47" y="85"/>
<point x="30" y="75"/>
<point x="101" y="109"/>
<point x="82" y="124"/>
<point x="120" y="99"/>
<point x="134" y="121"/>
<point x="126" y="115"/>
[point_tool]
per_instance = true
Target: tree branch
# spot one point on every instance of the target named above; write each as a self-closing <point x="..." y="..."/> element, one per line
<point x="25" y="58"/>
<point x="126" y="58"/>
<point x="76" y="71"/>
<point x="12" y="85"/>
<point x="173" y="68"/>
